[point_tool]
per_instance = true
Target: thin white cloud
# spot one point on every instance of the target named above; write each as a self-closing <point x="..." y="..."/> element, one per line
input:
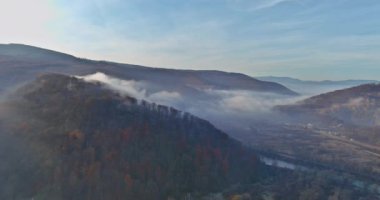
<point x="272" y="3"/>
<point x="253" y="5"/>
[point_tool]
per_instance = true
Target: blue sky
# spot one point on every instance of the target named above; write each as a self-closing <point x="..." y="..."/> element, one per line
<point x="308" y="39"/>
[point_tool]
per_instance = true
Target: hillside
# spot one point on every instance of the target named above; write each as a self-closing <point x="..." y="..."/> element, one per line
<point x="19" y="63"/>
<point x="358" y="105"/>
<point x="77" y="140"/>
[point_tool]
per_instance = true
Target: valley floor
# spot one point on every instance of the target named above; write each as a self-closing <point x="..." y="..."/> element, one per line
<point x="326" y="149"/>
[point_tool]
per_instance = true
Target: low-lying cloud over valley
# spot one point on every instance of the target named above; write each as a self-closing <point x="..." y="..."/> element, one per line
<point x="227" y="109"/>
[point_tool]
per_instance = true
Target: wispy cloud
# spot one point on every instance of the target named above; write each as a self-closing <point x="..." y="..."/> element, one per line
<point x="253" y="5"/>
<point x="270" y="3"/>
<point x="135" y="89"/>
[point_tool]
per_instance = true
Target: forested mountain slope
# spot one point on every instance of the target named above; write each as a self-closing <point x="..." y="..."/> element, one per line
<point x="78" y="140"/>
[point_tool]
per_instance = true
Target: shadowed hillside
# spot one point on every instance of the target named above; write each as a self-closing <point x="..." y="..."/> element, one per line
<point x="81" y="141"/>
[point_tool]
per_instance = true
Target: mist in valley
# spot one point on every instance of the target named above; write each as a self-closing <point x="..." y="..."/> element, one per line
<point x="234" y="111"/>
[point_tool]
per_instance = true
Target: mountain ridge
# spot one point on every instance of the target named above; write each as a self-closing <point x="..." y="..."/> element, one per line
<point x="41" y="57"/>
<point x="313" y="81"/>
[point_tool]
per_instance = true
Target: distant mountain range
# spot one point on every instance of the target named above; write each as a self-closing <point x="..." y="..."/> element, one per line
<point x="314" y="87"/>
<point x="19" y="63"/>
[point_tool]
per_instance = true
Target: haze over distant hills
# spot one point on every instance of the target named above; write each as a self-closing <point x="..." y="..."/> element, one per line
<point x="314" y="87"/>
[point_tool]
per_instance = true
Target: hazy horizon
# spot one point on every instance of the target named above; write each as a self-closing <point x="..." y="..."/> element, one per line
<point x="303" y="39"/>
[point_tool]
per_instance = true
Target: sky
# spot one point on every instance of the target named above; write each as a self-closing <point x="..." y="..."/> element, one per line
<point x="307" y="39"/>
